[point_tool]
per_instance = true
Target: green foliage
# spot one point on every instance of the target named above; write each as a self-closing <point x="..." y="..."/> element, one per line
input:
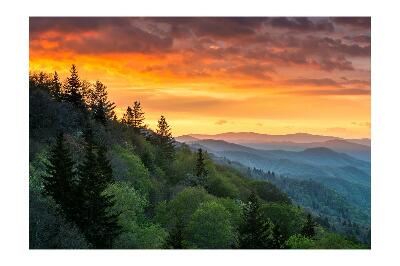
<point x="129" y="167"/>
<point x="210" y="227"/>
<point x="269" y="192"/>
<point x="256" y="232"/>
<point x="183" y="164"/>
<point x="89" y="202"/>
<point x="300" y="242"/>
<point x="309" y="227"/>
<point x="336" y="241"/>
<point x="136" y="230"/>
<point x="180" y="209"/>
<point x="289" y="218"/>
<point x="59" y="181"/>
<point x="48" y="228"/>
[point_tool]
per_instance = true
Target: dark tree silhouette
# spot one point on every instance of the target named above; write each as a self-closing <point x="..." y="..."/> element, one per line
<point x="73" y="88"/>
<point x="200" y="170"/>
<point x="55" y="88"/>
<point x="128" y="116"/>
<point x="309" y="227"/>
<point x="134" y="117"/>
<point x="164" y="142"/>
<point x="256" y="232"/>
<point x="99" y="227"/>
<point x="59" y="181"/>
<point x="100" y="105"/>
<point x="176" y="237"/>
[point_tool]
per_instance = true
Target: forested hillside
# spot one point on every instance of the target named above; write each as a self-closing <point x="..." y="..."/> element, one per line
<point x="99" y="182"/>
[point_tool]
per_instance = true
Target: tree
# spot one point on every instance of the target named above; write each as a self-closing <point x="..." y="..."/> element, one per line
<point x="101" y="107"/>
<point x="136" y="230"/>
<point x="165" y="143"/>
<point x="128" y="116"/>
<point x="134" y="117"/>
<point x="210" y="227"/>
<point x="59" y="181"/>
<point x="99" y="227"/>
<point x="175" y="239"/>
<point x="200" y="170"/>
<point x="138" y="116"/>
<point x="55" y="88"/>
<point x="256" y="232"/>
<point x="309" y="227"/>
<point x="73" y="88"/>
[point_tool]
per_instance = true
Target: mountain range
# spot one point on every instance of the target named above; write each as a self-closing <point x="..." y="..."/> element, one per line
<point x="358" y="148"/>
<point x="323" y="161"/>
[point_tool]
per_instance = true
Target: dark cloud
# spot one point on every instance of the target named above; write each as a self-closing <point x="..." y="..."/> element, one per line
<point x="245" y="43"/>
<point x="75" y="24"/>
<point x="302" y="24"/>
<point x="364" y="39"/>
<point x="314" y="82"/>
<point x="358" y="22"/>
<point x="326" y="45"/>
<point x="333" y="92"/>
<point x="334" y="63"/>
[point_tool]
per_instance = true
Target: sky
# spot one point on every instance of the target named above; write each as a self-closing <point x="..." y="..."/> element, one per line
<point x="208" y="75"/>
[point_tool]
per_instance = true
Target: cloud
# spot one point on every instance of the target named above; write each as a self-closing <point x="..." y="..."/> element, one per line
<point x="221" y="122"/>
<point x="302" y="24"/>
<point x="362" y="38"/>
<point x="331" y="92"/>
<point x="314" y="82"/>
<point x="362" y="124"/>
<point x="358" y="22"/>
<point x="259" y="124"/>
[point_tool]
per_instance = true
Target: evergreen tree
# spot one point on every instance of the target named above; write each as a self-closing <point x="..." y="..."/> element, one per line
<point x="55" y="89"/>
<point x="138" y="116"/>
<point x="200" y="170"/>
<point x="134" y="117"/>
<point x="176" y="237"/>
<point x="73" y="88"/>
<point x="165" y="143"/>
<point x="101" y="107"/>
<point x="59" y="181"/>
<point x="256" y="233"/>
<point x="99" y="227"/>
<point x="128" y="116"/>
<point x="309" y="227"/>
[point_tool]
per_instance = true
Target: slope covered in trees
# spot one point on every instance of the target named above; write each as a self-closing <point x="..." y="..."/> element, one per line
<point x="97" y="182"/>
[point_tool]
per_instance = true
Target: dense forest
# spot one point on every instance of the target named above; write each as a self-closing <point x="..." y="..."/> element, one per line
<point x="99" y="182"/>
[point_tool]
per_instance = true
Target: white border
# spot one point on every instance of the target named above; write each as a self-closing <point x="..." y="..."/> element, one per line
<point x="14" y="130"/>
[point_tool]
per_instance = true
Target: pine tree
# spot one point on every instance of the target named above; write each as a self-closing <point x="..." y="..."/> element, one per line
<point x="309" y="227"/>
<point x="95" y="173"/>
<point x="59" y="181"/>
<point x="134" y="117"/>
<point x="200" y="170"/>
<point x="128" y="116"/>
<point x="73" y="88"/>
<point x="101" y="107"/>
<point x="55" y="89"/>
<point x="256" y="232"/>
<point x="176" y="237"/>
<point x="138" y="116"/>
<point x="165" y="143"/>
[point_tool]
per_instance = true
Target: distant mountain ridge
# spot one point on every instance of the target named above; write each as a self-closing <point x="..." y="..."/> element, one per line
<point x="290" y="142"/>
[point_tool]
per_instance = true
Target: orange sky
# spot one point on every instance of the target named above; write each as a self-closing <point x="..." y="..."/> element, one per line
<point x="213" y="75"/>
